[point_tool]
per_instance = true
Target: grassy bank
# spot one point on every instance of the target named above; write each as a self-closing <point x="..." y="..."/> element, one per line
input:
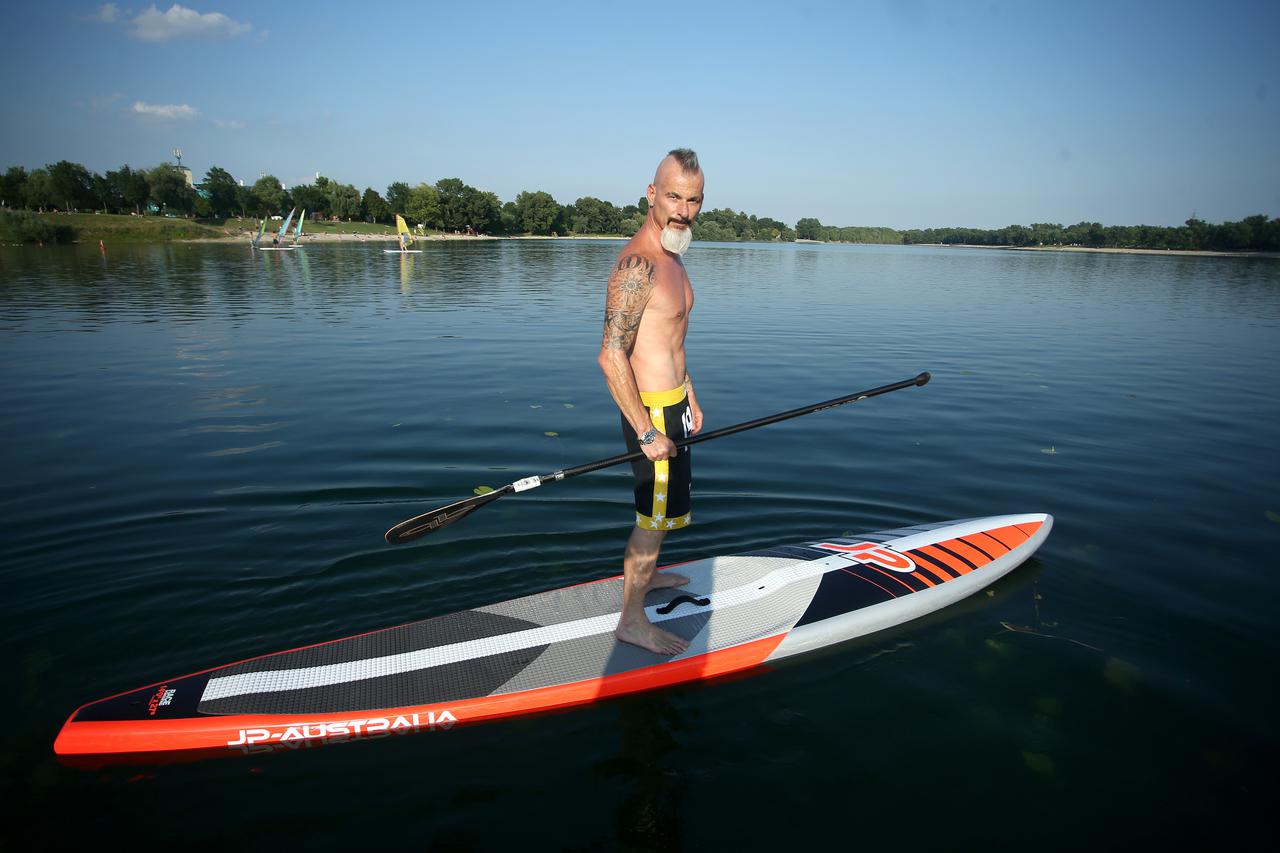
<point x="92" y="227"/>
<point x="21" y="226"/>
<point x="238" y="226"/>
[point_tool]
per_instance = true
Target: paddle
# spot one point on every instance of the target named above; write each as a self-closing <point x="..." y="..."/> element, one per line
<point x="430" y="522"/>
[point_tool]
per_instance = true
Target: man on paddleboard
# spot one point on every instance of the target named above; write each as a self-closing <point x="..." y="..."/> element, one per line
<point x="642" y="355"/>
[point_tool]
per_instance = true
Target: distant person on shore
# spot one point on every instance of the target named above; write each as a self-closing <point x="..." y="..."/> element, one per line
<point x="642" y="355"/>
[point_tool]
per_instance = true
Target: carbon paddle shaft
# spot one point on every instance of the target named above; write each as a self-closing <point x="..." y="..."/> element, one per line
<point x="922" y="379"/>
<point x="432" y="521"/>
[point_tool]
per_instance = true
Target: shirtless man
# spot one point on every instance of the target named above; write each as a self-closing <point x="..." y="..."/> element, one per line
<point x="645" y="319"/>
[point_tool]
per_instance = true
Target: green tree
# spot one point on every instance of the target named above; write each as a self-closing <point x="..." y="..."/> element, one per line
<point x="1198" y="232"/>
<point x="72" y="185"/>
<point x="1046" y="234"/>
<point x="808" y="229"/>
<point x="398" y="197"/>
<point x="269" y="194"/>
<point x="1017" y="235"/>
<point x="1231" y="237"/>
<point x="106" y="194"/>
<point x="13" y="186"/>
<point x="374" y="206"/>
<point x="1266" y="233"/>
<point x="222" y="190"/>
<point x="594" y="216"/>
<point x="312" y="199"/>
<point x="131" y="185"/>
<point x="344" y="200"/>
<point x="324" y="185"/>
<point x="536" y="212"/>
<point x="511" y="219"/>
<point x="422" y="206"/>
<point x="245" y="201"/>
<point x="453" y="204"/>
<point x="169" y="190"/>
<point x="710" y="231"/>
<point x="39" y="190"/>
<point x="484" y="211"/>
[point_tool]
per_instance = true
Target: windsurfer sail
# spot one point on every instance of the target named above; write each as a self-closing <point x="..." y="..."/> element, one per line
<point x="406" y="236"/>
<point x="284" y="229"/>
<point x="297" y="234"/>
<point x="262" y="229"/>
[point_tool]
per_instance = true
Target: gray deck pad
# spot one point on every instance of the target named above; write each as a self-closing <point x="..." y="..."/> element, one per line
<point x="557" y="637"/>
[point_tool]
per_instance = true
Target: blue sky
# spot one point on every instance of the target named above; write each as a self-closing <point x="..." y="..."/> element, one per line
<point x="905" y="114"/>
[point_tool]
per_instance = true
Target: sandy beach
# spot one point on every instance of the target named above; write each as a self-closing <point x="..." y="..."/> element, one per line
<point x="244" y="237"/>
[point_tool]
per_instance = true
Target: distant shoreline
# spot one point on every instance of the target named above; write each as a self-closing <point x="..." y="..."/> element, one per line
<point x="392" y="238"/>
<point x="1194" y="253"/>
<point x="110" y="229"/>
<point x="308" y="239"/>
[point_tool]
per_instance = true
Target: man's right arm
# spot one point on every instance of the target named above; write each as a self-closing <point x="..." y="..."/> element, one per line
<point x="630" y="287"/>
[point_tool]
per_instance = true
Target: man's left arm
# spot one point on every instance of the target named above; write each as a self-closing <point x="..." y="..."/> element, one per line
<point x="694" y="409"/>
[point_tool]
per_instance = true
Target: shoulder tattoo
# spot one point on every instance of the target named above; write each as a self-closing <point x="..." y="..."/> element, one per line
<point x="629" y="289"/>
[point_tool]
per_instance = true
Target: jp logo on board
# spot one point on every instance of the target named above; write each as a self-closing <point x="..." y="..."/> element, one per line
<point x="873" y="553"/>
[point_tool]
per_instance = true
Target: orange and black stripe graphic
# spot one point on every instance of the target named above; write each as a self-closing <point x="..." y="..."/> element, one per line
<point x="863" y="584"/>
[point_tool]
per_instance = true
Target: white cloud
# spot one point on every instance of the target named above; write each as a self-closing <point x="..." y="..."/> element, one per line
<point x="166" y="111"/>
<point x="109" y="13"/>
<point x="229" y="125"/>
<point x="181" y="22"/>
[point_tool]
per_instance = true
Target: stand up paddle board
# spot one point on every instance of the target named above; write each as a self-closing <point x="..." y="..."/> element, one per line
<point x="557" y="648"/>
<point x="402" y="252"/>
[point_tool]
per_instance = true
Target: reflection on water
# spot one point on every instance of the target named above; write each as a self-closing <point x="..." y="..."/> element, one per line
<point x="203" y="446"/>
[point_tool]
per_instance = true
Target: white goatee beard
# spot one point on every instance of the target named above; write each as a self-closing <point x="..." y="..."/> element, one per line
<point x="677" y="240"/>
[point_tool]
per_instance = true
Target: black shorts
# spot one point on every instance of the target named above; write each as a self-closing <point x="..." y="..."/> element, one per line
<point x="662" y="488"/>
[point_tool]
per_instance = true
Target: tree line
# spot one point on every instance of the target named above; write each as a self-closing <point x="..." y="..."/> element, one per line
<point x="449" y="205"/>
<point x="1251" y="234"/>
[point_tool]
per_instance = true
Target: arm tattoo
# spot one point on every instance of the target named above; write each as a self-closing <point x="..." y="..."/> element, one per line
<point x="629" y="289"/>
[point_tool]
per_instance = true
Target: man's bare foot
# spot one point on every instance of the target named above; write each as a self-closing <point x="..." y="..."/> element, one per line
<point x="646" y="635"/>
<point x="664" y="580"/>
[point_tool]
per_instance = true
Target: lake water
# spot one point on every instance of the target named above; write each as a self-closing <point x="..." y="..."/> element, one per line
<point x="202" y="448"/>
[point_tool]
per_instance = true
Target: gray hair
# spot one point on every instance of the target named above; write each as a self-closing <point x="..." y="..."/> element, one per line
<point x="687" y="158"/>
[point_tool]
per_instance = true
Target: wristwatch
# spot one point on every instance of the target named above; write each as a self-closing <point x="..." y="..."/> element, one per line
<point x="649" y="436"/>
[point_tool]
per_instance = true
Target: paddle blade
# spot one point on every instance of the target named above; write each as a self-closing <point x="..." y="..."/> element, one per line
<point x="430" y="522"/>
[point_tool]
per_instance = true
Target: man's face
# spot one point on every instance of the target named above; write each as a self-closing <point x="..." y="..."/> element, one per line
<point x="675" y="196"/>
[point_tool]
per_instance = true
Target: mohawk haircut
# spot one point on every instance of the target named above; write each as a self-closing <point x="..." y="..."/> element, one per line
<point x="687" y="158"/>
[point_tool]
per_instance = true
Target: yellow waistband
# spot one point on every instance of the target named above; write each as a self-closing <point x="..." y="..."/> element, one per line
<point x="662" y="398"/>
